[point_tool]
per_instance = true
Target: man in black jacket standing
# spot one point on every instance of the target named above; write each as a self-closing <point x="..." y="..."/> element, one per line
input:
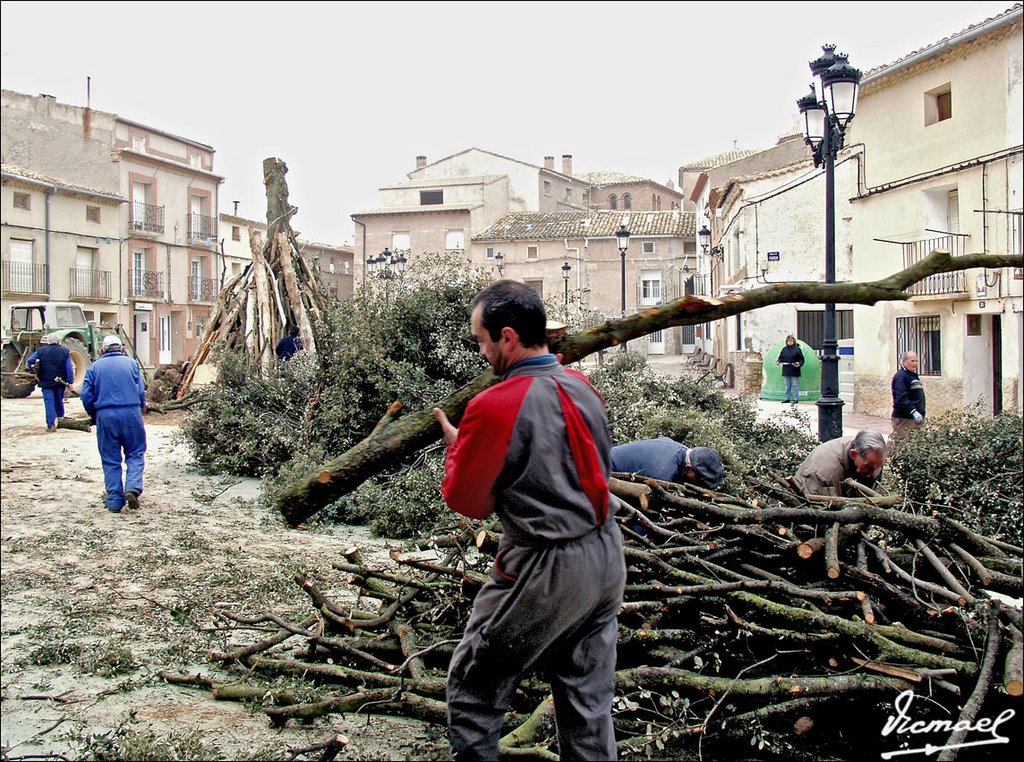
<point x="55" y="372"/>
<point x="907" y="397"/>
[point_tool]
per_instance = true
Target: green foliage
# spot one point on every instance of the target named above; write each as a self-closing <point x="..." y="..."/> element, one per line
<point x="397" y="340"/>
<point x="94" y="659"/>
<point x="405" y="504"/>
<point x="250" y="425"/>
<point x="643" y="405"/>
<point x="969" y="466"/>
<point x="130" y="742"/>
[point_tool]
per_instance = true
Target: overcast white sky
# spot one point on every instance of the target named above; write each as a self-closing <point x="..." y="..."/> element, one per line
<point x="349" y="93"/>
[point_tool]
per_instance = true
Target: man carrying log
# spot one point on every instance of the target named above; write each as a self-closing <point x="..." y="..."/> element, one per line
<point x="52" y="365"/>
<point x="859" y="457"/>
<point x="535" y="449"/>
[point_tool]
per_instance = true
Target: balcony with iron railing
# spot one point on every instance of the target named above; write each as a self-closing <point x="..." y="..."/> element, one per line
<point x="940" y="283"/>
<point x="24" y="278"/>
<point x="145" y="284"/>
<point x="147" y="218"/>
<point x="202" y="289"/>
<point x="90" y="285"/>
<point x="202" y="228"/>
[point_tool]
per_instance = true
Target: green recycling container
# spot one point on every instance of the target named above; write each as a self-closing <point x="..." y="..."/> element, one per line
<point x="773" y="386"/>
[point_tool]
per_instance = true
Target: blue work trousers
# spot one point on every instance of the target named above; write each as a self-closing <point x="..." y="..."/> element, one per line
<point x="792" y="388"/>
<point x="53" y="403"/>
<point x="120" y="429"/>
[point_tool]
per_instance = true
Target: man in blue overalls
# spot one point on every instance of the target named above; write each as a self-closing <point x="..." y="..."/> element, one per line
<point x="115" y="396"/>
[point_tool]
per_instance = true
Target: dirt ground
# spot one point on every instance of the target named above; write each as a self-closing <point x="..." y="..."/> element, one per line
<point x="95" y="605"/>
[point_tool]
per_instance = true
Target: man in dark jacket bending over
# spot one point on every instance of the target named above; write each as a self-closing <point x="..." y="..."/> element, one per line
<point x="535" y="449"/>
<point x="669" y="461"/>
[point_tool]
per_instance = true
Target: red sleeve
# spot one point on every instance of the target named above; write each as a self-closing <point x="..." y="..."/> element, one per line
<point x="476" y="458"/>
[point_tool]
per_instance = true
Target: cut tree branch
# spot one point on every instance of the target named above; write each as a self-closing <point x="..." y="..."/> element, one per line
<point x="305" y="497"/>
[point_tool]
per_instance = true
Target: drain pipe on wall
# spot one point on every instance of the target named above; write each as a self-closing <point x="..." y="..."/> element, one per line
<point x="362" y="261"/>
<point x="46" y="243"/>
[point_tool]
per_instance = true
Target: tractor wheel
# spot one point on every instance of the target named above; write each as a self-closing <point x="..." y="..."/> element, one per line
<point x="79" y="359"/>
<point x="14" y="387"/>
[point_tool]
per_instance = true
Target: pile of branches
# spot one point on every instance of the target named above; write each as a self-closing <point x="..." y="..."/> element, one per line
<point x="772" y="619"/>
<point x="278" y="289"/>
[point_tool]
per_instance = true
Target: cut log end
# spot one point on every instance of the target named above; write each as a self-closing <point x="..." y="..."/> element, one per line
<point x="803" y="726"/>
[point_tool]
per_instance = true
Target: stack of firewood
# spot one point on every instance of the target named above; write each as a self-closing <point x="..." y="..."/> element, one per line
<point x="772" y="618"/>
<point x="279" y="289"/>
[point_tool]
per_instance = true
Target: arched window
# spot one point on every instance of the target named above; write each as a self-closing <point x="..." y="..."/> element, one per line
<point x="613" y="202"/>
<point x="654" y="201"/>
<point x="627" y="201"/>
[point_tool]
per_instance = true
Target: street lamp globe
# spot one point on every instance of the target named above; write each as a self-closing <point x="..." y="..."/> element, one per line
<point x="840" y="82"/>
<point x="704" y="235"/>
<point x="622" y="239"/>
<point x="814" y="119"/>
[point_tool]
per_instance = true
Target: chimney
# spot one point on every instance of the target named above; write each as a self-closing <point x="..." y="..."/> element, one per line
<point x="567" y="164"/>
<point x="549" y="162"/>
<point x="421" y="162"/>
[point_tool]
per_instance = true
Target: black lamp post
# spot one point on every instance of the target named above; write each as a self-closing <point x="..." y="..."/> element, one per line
<point x="387" y="265"/>
<point x="499" y="260"/>
<point x="622" y="240"/>
<point x="825" y="124"/>
<point x="705" y="238"/>
<point x="566" y="267"/>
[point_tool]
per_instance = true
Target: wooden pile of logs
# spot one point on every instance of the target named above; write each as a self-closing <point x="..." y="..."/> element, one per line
<point x="279" y="289"/>
<point x="773" y="617"/>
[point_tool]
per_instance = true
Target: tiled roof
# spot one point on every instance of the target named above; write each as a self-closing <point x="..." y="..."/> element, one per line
<point x="437" y="182"/>
<point x="417" y="209"/>
<point x="242" y="221"/>
<point x="491" y="153"/>
<point x="945" y="42"/>
<point x="325" y="246"/>
<point x="35" y="177"/>
<point x="610" y="178"/>
<point x="541" y="226"/>
<point x="720" y="159"/>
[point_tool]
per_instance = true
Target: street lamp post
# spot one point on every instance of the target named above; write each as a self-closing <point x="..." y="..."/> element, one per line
<point x="825" y="123"/>
<point x="499" y="260"/>
<point x="566" y="267"/>
<point x="387" y="265"/>
<point x="622" y="240"/>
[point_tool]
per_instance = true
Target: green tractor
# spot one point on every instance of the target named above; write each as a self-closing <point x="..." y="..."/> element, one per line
<point x="29" y="322"/>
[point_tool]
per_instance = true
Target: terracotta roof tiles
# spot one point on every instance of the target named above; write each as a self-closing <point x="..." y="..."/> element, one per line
<point x="540" y="226"/>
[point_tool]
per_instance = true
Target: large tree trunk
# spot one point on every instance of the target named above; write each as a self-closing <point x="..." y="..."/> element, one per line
<point x="399" y="438"/>
<point x="250" y="313"/>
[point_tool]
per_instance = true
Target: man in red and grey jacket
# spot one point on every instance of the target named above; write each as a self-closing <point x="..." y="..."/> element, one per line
<point x="536" y="450"/>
